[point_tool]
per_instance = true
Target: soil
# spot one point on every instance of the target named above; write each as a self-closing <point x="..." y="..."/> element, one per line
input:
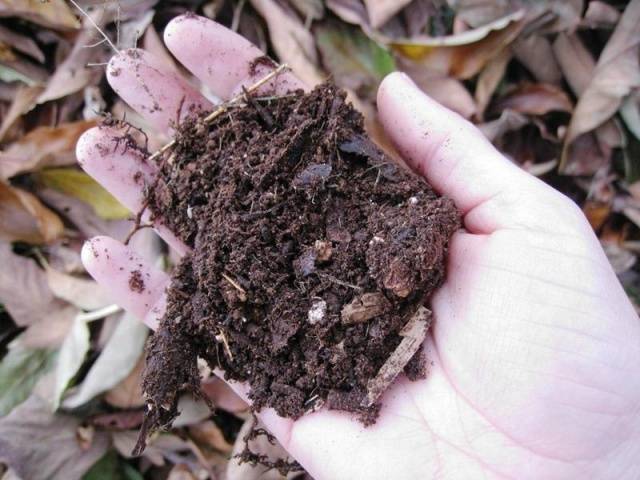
<point x="310" y="251"/>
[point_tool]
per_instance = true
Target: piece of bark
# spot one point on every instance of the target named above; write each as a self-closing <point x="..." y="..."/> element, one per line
<point x="413" y="333"/>
<point x="363" y="308"/>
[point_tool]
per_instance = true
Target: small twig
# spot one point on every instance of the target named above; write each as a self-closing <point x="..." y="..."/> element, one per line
<point x="101" y="64"/>
<point x="237" y="13"/>
<point x="222" y="337"/>
<point x="233" y="283"/>
<point x="107" y="39"/>
<point x="138" y="222"/>
<point x="225" y="106"/>
<point x="99" y="42"/>
<point x="338" y="281"/>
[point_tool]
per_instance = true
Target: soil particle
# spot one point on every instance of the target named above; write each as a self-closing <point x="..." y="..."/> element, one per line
<point x="136" y="282"/>
<point x="310" y="252"/>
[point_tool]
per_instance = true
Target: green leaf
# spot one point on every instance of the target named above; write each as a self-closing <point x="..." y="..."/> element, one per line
<point x="78" y="184"/>
<point x="111" y="467"/>
<point x="72" y="354"/>
<point x="355" y="61"/>
<point x="9" y="75"/>
<point x="20" y="369"/>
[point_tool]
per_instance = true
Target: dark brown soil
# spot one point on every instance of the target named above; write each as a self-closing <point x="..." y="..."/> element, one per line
<point x="309" y="252"/>
<point x="136" y="282"/>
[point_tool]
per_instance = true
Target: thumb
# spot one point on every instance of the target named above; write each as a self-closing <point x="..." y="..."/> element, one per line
<point x="458" y="161"/>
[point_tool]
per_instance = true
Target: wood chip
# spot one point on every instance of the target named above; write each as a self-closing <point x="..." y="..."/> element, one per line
<point x="363" y="308"/>
<point x="414" y="333"/>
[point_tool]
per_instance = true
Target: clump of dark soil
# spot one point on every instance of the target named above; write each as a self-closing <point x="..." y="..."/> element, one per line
<point x="309" y="253"/>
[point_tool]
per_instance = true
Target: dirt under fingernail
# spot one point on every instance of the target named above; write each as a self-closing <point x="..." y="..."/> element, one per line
<point x="310" y="251"/>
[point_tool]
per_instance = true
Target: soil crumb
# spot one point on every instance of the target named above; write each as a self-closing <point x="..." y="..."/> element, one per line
<point x="310" y="251"/>
<point x="136" y="282"/>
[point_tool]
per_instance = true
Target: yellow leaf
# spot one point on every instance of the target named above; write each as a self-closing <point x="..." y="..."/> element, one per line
<point x="81" y="186"/>
<point x="24" y="218"/>
<point x="51" y="13"/>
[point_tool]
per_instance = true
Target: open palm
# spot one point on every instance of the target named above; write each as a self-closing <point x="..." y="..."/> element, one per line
<point x="535" y="351"/>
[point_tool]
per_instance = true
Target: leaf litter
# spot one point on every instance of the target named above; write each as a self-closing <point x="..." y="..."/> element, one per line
<point x="483" y="59"/>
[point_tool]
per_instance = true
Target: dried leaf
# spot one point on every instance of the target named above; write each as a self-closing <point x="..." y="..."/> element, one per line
<point x="71" y="357"/>
<point x="223" y="396"/>
<point x="24" y="218"/>
<point x="133" y="29"/>
<point x="20" y="369"/>
<point x="350" y="11"/>
<point x="78" y="184"/>
<point x="83" y="293"/>
<point x="535" y="99"/>
<point x="309" y="9"/>
<point x="128" y="393"/>
<point x="448" y="91"/>
<point x="355" y="61"/>
<point x="380" y="11"/>
<point x="489" y="79"/>
<point x="476" y="13"/>
<point x="73" y="74"/>
<point x="24" y="101"/>
<point x="21" y="43"/>
<point x="536" y="54"/>
<point x="192" y="411"/>
<point x="600" y="15"/>
<point x="60" y="457"/>
<point x="52" y="13"/>
<point x="209" y="434"/>
<point x="291" y="41"/>
<point x="43" y="146"/>
<point x="630" y="113"/>
<point x="51" y="330"/>
<point x="117" y="361"/>
<point x="621" y="260"/>
<point x="616" y="74"/>
<point x="463" y="55"/>
<point x="21" y="70"/>
<point x="575" y="61"/>
<point x="507" y="122"/>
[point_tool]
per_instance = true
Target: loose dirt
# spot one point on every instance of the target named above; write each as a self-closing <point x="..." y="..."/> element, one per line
<point x="310" y="251"/>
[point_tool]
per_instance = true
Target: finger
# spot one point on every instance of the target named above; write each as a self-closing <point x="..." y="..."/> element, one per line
<point x="220" y="58"/>
<point x="159" y="94"/>
<point x="122" y="170"/>
<point x="134" y="284"/>
<point x="458" y="161"/>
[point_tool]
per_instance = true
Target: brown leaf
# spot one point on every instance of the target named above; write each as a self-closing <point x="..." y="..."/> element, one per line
<point x="535" y="99"/>
<point x="616" y="74"/>
<point x="23" y="101"/>
<point x="58" y="454"/>
<point x="463" y="55"/>
<point x="43" y="146"/>
<point x="596" y="212"/>
<point x="83" y="293"/>
<point x="600" y="15"/>
<point x="24" y="218"/>
<point x="223" y="396"/>
<point x="363" y="308"/>
<point x="50" y="329"/>
<point x="489" y="79"/>
<point x="21" y="43"/>
<point x="209" y="434"/>
<point x="448" y="91"/>
<point x="536" y="54"/>
<point x="128" y="393"/>
<point x="507" y="122"/>
<point x="293" y="43"/>
<point x="73" y="74"/>
<point x="380" y="11"/>
<point x="52" y="13"/>
<point x="350" y="11"/>
<point x="575" y="61"/>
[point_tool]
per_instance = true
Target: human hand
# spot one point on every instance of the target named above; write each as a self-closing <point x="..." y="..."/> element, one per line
<point x="535" y="348"/>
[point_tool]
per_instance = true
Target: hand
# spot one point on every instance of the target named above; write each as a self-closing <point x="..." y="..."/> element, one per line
<point x="535" y="351"/>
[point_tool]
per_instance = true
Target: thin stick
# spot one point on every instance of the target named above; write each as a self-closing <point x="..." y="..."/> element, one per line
<point x="95" y="25"/>
<point x="225" y="106"/>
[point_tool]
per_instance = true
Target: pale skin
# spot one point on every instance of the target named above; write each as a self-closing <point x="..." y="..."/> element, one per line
<point x="535" y="350"/>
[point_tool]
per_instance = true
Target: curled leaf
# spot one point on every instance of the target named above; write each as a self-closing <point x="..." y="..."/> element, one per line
<point x="43" y="146"/>
<point x="535" y="99"/>
<point x="465" y="54"/>
<point x="52" y="13"/>
<point x="24" y="218"/>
